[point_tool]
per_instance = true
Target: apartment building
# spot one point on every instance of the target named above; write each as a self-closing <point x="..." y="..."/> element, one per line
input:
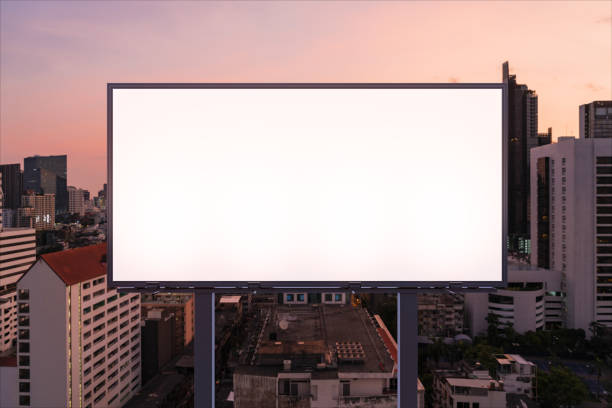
<point x="78" y="341"/>
<point x="571" y="224"/>
<point x="440" y="314"/>
<point x="37" y="211"/>
<point x="17" y="254"/>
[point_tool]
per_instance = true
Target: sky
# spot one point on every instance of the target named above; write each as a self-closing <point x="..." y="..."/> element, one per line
<point x="56" y="57"/>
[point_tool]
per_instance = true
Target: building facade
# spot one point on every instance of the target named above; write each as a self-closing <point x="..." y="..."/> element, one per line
<point x="532" y="301"/>
<point x="17" y="254"/>
<point x="572" y="224"/>
<point x="11" y="185"/>
<point x="37" y="211"/>
<point x="522" y="136"/>
<point x="440" y="314"/>
<point x="181" y="306"/>
<point x="596" y="120"/>
<point x="78" y="341"/>
<point x="454" y="391"/>
<point x="47" y="175"/>
<point x="76" y="201"/>
<point x="518" y="375"/>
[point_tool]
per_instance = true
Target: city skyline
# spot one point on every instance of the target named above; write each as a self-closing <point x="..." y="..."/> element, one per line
<point x="57" y="57"/>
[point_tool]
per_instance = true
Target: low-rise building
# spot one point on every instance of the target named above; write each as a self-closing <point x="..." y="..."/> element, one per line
<point x="453" y="389"/>
<point x="533" y="300"/>
<point x="319" y="355"/>
<point x="517" y="374"/>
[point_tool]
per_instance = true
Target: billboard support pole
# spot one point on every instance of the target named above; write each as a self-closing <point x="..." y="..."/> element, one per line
<point x="204" y="348"/>
<point x="408" y="357"/>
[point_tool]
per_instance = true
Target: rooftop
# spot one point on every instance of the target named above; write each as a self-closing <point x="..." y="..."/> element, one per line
<point x="79" y="264"/>
<point x="230" y="299"/>
<point x="471" y="382"/>
<point x="306" y="329"/>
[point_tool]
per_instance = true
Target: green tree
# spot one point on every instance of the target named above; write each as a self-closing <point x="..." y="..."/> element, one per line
<point x="559" y="387"/>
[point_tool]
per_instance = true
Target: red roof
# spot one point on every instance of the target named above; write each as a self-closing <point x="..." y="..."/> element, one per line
<point x="388" y="340"/>
<point x="8" y="361"/>
<point x="78" y="264"/>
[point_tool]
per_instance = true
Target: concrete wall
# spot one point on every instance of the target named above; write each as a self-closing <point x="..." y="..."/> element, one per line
<point x="48" y="331"/>
<point x="254" y="391"/>
<point x="8" y="387"/>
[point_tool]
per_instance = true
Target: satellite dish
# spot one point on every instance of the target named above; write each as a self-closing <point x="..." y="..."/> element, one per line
<point x="283" y="324"/>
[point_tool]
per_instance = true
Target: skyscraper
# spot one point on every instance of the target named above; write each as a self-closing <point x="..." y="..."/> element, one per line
<point x="47" y="175"/>
<point x="596" y="120"/>
<point x="522" y="136"/>
<point x="11" y="185"/>
<point x="571" y="226"/>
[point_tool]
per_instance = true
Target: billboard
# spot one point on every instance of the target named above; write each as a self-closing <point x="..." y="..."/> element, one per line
<point x="306" y="185"/>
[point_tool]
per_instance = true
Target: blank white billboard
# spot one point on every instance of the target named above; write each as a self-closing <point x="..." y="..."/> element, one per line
<point x="299" y="184"/>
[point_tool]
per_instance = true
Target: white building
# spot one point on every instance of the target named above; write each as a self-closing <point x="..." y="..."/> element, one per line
<point x="531" y="301"/>
<point x="79" y="342"/>
<point x="76" y="200"/>
<point x="460" y="392"/>
<point x="517" y="374"/>
<point x="17" y="253"/>
<point x="571" y="223"/>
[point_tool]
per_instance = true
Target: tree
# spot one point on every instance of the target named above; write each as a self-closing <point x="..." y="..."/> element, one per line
<point x="560" y="387"/>
<point x="493" y="329"/>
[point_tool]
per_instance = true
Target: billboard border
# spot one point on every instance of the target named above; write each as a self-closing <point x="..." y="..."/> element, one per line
<point x="307" y="286"/>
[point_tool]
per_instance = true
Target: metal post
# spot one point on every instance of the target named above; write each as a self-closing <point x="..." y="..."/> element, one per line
<point x="204" y="349"/>
<point x="407" y="325"/>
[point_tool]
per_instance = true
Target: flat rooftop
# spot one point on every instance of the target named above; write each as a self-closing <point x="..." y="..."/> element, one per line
<point x="317" y="328"/>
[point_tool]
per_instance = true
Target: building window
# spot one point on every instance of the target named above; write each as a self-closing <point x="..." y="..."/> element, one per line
<point x="290" y="297"/>
<point x="24" y="387"/>
<point x="23" y="294"/>
<point x="300" y="297"/>
<point x="24" y="374"/>
<point x="346" y="389"/>
<point x="338" y="297"/>
<point x="328" y="297"/>
<point x="24" y="400"/>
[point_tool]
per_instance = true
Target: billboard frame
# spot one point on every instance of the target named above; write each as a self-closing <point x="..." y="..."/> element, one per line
<point x="309" y="286"/>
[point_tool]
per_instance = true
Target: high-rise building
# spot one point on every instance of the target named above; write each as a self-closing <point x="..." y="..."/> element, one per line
<point x="572" y="223"/>
<point x="37" y="211"/>
<point x="522" y="136"/>
<point x="596" y="120"/>
<point x="17" y="253"/>
<point x="79" y="341"/>
<point x="47" y="175"/>
<point x="76" y="201"/>
<point x="11" y="185"/>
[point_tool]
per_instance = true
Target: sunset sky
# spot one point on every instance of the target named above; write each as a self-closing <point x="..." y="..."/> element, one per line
<point x="56" y="57"/>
